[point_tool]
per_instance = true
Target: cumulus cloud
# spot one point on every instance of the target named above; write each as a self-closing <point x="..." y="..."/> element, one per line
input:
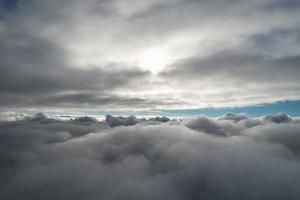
<point x="86" y="119"/>
<point x="160" y="119"/>
<point x="79" y="160"/>
<point x="208" y="125"/>
<point x="234" y="117"/>
<point x="120" y="121"/>
<point x="229" y="124"/>
<point x="39" y="117"/>
<point x="279" y="118"/>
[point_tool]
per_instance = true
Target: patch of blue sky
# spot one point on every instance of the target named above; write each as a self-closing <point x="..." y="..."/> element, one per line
<point x="291" y="108"/>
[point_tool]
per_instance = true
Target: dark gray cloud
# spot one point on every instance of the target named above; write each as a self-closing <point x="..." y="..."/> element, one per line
<point x="233" y="117"/>
<point x="114" y="121"/>
<point x="228" y="125"/>
<point x="237" y="66"/>
<point x="279" y="118"/>
<point x="120" y="121"/>
<point x="79" y="160"/>
<point x="241" y="72"/>
<point x="208" y="126"/>
<point x="86" y="99"/>
<point x="284" y="4"/>
<point x="86" y="119"/>
<point x="34" y="72"/>
<point x="160" y="119"/>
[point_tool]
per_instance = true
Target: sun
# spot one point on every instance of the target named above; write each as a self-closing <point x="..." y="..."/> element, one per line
<point x="154" y="60"/>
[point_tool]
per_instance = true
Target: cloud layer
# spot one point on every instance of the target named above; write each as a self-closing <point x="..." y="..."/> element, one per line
<point x="233" y="157"/>
<point x="88" y="54"/>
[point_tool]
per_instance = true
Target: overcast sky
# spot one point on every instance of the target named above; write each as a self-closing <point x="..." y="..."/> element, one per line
<point x="148" y="53"/>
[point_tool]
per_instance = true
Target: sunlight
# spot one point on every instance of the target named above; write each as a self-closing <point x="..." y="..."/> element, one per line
<point x="153" y="60"/>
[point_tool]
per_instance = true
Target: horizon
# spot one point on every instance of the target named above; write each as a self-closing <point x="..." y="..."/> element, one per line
<point x="291" y="108"/>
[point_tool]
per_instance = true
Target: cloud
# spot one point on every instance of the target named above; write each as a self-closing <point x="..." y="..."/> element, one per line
<point x="39" y="117"/>
<point x="228" y="125"/>
<point x="76" y="160"/>
<point x="120" y="121"/>
<point x="86" y="54"/>
<point x="208" y="126"/>
<point x="34" y="71"/>
<point x="243" y="74"/>
<point x="286" y="134"/>
<point x="279" y="118"/>
<point x="86" y="119"/>
<point x="10" y="116"/>
<point x="233" y="117"/>
<point x="160" y="119"/>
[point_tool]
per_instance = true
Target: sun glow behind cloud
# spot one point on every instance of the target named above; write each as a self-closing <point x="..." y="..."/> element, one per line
<point x="154" y="60"/>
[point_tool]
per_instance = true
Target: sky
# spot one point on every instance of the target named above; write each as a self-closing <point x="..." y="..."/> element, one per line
<point x="148" y="55"/>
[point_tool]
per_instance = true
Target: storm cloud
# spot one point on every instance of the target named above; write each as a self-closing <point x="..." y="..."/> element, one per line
<point x="87" y="159"/>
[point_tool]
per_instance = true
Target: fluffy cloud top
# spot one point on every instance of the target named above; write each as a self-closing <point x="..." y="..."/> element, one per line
<point x="197" y="158"/>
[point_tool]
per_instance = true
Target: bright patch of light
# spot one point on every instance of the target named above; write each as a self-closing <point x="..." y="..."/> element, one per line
<point x="153" y="60"/>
